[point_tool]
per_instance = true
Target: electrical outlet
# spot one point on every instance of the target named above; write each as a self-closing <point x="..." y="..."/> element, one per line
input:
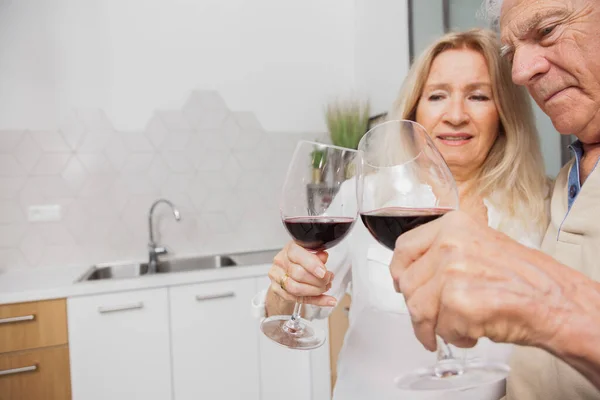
<point x="45" y="213"/>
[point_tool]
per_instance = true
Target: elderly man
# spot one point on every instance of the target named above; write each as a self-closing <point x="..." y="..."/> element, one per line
<point x="463" y="281"/>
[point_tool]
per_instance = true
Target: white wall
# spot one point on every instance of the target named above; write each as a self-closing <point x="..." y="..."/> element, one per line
<point x="428" y="23"/>
<point x="99" y="115"/>
<point x="381" y="57"/>
<point x="280" y="59"/>
<point x="466" y="14"/>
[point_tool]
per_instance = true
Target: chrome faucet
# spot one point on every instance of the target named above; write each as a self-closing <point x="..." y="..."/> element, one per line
<point x="153" y="249"/>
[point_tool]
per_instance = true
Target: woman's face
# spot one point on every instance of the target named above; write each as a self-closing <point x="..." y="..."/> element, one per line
<point x="458" y="110"/>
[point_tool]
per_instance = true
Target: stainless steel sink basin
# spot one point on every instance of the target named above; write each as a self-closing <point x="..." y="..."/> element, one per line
<point x="125" y="270"/>
<point x="114" y="271"/>
<point x="193" y="264"/>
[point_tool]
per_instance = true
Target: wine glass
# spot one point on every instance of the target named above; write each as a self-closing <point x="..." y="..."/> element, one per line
<point x="404" y="182"/>
<point x="318" y="209"/>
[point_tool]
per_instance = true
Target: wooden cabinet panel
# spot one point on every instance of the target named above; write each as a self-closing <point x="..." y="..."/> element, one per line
<point x="338" y="325"/>
<point x="32" y="325"/>
<point x="36" y="374"/>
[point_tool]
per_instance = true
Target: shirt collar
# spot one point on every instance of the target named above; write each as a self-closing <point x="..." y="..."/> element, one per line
<point x="577" y="149"/>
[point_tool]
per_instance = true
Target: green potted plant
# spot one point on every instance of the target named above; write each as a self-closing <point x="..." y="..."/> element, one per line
<point x="347" y="122"/>
<point x="318" y="159"/>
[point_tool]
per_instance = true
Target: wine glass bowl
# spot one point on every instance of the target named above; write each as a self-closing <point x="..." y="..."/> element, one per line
<point x="317" y="233"/>
<point x="318" y="209"/>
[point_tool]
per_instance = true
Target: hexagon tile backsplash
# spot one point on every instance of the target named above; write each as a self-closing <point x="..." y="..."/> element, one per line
<point x="220" y="168"/>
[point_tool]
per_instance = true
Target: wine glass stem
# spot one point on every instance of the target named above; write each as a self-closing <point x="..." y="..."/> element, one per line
<point x="293" y="324"/>
<point x="297" y="311"/>
<point x="444" y="351"/>
<point x="446" y="365"/>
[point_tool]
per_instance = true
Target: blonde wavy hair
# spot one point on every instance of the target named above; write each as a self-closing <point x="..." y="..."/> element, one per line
<point x="512" y="177"/>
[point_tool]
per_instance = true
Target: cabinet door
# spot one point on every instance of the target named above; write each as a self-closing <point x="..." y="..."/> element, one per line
<point x="35" y="374"/>
<point x="293" y="374"/>
<point x="338" y="326"/>
<point x="285" y="373"/>
<point x="33" y="325"/>
<point x="119" y="345"/>
<point x="214" y="341"/>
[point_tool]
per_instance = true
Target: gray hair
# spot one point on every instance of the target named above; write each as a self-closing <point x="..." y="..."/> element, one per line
<point x="490" y="11"/>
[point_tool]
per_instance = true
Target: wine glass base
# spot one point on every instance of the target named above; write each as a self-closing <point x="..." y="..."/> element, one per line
<point x="305" y="337"/>
<point x="474" y="374"/>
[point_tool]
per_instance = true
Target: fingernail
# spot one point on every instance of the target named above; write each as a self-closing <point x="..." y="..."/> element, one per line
<point x="330" y="277"/>
<point x="321" y="272"/>
<point x="331" y="303"/>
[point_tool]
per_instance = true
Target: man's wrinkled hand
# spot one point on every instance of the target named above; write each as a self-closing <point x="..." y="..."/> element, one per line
<point x="463" y="280"/>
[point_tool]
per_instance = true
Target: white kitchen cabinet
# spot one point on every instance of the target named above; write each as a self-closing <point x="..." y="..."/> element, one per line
<point x="293" y="374"/>
<point x="119" y="346"/>
<point x="285" y="373"/>
<point x="215" y="348"/>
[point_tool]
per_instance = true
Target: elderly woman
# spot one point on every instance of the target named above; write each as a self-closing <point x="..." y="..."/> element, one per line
<point x="460" y="90"/>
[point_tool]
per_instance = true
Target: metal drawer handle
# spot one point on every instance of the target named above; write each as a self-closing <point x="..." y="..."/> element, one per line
<point x="18" y="370"/>
<point x="225" y="295"/>
<point x="17" y="319"/>
<point x="125" y="307"/>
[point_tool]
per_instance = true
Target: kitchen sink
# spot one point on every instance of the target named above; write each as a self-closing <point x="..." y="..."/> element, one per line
<point x="126" y="270"/>
<point x="114" y="271"/>
<point x="192" y="264"/>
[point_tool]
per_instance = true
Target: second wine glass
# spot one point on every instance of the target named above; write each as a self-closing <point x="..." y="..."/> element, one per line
<point x="318" y="209"/>
<point x="404" y="182"/>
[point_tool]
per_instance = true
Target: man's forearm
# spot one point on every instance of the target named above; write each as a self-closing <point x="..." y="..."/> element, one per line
<point x="578" y="341"/>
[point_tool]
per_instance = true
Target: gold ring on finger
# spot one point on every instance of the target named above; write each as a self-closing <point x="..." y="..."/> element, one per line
<point x="283" y="281"/>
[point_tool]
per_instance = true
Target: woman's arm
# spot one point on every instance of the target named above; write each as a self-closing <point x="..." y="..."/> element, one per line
<point x="275" y="305"/>
<point x="339" y="270"/>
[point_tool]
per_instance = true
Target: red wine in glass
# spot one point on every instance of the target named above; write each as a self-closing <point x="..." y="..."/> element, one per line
<point x="387" y="224"/>
<point x="318" y="214"/>
<point x="318" y="233"/>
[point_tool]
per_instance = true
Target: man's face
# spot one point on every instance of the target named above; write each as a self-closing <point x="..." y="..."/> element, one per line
<point x="555" y="50"/>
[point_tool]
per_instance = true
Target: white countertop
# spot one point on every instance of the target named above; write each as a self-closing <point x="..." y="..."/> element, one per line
<point x="43" y="283"/>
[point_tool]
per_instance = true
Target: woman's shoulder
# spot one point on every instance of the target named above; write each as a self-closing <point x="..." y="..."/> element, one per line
<point x="523" y="231"/>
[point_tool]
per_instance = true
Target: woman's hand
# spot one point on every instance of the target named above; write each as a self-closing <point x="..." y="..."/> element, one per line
<point x="299" y="275"/>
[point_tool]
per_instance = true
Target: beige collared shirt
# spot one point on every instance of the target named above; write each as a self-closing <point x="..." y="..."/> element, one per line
<point x="572" y="238"/>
